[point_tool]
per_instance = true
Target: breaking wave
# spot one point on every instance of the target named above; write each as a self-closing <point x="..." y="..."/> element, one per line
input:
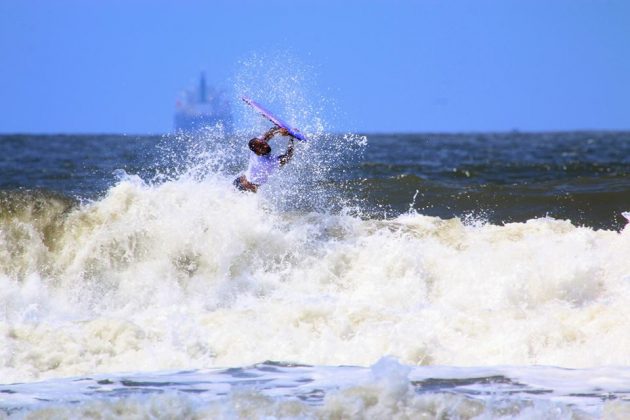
<point x="189" y="273"/>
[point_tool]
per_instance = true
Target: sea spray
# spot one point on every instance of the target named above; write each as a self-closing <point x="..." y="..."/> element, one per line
<point x="314" y="179"/>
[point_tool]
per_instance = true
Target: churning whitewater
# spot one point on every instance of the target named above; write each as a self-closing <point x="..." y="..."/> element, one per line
<point x="192" y="274"/>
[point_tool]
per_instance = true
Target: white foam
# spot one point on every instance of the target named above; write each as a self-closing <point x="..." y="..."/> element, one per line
<point x="387" y="389"/>
<point x="192" y="274"/>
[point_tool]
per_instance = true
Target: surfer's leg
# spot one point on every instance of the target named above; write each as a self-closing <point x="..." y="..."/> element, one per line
<point x="242" y="184"/>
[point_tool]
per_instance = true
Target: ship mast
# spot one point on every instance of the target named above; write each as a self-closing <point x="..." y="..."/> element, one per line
<point x="202" y="89"/>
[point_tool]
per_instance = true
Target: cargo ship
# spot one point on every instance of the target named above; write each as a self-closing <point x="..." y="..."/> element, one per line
<point x="202" y="107"/>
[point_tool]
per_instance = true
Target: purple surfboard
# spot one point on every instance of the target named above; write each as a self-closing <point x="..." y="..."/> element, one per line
<point x="277" y="121"/>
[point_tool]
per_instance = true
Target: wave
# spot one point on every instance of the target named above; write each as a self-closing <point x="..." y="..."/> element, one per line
<point x="585" y="201"/>
<point x="194" y="274"/>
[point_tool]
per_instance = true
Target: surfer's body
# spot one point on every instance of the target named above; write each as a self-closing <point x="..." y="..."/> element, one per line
<point x="261" y="162"/>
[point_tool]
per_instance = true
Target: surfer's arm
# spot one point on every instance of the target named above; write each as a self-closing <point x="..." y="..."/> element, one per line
<point x="288" y="155"/>
<point x="284" y="132"/>
<point x="269" y="134"/>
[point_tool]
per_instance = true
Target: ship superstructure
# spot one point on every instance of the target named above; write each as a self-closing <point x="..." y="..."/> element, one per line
<point x="202" y="107"/>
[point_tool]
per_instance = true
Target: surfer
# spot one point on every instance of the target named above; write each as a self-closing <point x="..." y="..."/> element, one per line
<point x="261" y="162"/>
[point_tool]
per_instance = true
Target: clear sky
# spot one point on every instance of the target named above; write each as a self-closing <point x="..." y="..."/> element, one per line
<point x="440" y="65"/>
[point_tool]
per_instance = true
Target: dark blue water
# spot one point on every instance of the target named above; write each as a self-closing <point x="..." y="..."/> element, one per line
<point x="500" y="178"/>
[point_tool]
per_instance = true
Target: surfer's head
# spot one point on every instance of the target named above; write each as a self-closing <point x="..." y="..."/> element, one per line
<point x="260" y="147"/>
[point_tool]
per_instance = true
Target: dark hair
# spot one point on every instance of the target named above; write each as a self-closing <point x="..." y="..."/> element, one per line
<point x="255" y="143"/>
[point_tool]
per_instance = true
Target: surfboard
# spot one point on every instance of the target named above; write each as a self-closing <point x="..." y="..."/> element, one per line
<point x="277" y="121"/>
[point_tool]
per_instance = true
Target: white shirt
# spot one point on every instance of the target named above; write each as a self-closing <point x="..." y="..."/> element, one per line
<point x="261" y="167"/>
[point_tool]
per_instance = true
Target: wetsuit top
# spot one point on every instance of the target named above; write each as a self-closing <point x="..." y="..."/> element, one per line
<point x="261" y="167"/>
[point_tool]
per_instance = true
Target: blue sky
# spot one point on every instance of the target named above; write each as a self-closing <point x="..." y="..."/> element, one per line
<point x="401" y="66"/>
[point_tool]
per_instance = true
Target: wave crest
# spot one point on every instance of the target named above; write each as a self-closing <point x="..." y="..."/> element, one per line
<point x="191" y="273"/>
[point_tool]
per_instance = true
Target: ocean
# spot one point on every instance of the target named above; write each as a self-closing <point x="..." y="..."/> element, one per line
<point x="473" y="275"/>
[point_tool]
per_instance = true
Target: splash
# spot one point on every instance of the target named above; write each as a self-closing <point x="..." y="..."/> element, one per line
<point x="288" y="86"/>
<point x="194" y="274"/>
<point x="314" y="179"/>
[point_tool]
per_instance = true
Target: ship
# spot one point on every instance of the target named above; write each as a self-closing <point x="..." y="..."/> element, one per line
<point x="202" y="107"/>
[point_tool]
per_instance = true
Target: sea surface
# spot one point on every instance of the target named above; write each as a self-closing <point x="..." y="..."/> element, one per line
<point x="480" y="275"/>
